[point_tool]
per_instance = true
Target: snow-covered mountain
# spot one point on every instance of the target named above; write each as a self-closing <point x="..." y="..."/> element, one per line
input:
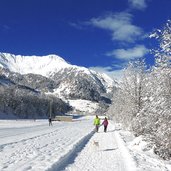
<point x="42" y="65"/>
<point x="51" y="74"/>
<point x="47" y="66"/>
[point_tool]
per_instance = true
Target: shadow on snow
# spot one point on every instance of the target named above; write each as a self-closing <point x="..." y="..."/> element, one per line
<point x="69" y="158"/>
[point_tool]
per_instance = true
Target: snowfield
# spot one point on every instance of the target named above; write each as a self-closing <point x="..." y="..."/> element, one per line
<point x="28" y="145"/>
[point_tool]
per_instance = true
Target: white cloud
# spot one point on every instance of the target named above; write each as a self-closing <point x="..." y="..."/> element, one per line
<point x="114" y="74"/>
<point x="132" y="53"/>
<point x="76" y="25"/>
<point x="138" y="4"/>
<point x="120" y="24"/>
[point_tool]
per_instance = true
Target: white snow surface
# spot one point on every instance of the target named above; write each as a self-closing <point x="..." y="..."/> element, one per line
<point x="84" y="106"/>
<point x="28" y="145"/>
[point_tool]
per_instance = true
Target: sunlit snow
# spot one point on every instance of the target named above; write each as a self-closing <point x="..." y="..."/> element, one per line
<point x="33" y="145"/>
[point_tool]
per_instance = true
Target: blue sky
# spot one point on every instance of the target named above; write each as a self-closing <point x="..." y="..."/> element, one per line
<point x="99" y="34"/>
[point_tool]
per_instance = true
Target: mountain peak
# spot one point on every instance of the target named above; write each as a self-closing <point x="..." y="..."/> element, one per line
<point x="42" y="65"/>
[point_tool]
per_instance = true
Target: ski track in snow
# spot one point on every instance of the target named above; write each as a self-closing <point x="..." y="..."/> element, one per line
<point x="66" y="146"/>
<point x="39" y="150"/>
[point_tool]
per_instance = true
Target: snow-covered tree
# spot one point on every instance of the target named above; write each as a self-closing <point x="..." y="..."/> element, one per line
<point x="163" y="52"/>
<point x="143" y="101"/>
<point x="128" y="100"/>
<point x="162" y="97"/>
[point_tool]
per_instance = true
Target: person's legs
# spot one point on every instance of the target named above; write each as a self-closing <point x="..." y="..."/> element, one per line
<point x="97" y="128"/>
<point x="105" y="128"/>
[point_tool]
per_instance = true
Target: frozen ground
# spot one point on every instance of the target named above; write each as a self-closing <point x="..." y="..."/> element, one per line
<point x="70" y="146"/>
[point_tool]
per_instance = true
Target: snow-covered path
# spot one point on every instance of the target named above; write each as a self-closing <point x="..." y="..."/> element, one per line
<point x="92" y="156"/>
<point x="69" y="146"/>
<point x="106" y="156"/>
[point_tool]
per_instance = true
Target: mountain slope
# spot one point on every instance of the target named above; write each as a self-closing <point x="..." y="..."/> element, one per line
<point x="51" y="74"/>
